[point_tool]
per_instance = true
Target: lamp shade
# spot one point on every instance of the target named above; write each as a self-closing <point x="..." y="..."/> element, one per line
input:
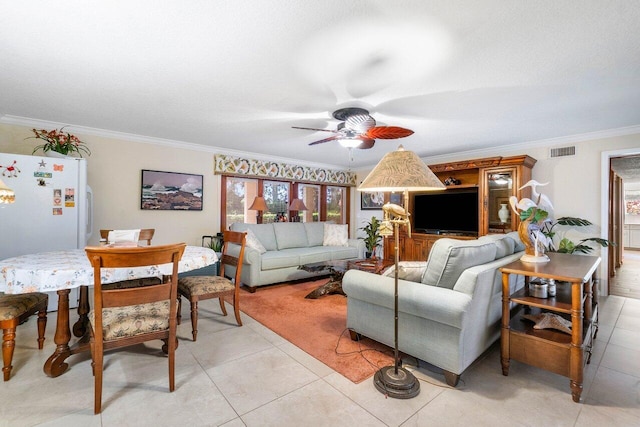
<point x="258" y="204"/>
<point x="7" y="195"/>
<point x="401" y="170"/>
<point x="297" y="205"/>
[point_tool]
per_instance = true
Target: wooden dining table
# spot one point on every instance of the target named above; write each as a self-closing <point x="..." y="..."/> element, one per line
<point x="61" y="271"/>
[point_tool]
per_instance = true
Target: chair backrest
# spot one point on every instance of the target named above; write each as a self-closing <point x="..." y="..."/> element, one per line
<point x="128" y="257"/>
<point x="145" y="234"/>
<point x="236" y="238"/>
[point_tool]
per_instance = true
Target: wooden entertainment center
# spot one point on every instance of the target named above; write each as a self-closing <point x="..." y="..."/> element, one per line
<point x="495" y="178"/>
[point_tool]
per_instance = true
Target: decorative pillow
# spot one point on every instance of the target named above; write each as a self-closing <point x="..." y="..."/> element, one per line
<point x="335" y="235"/>
<point x="448" y="258"/>
<point x="254" y="243"/>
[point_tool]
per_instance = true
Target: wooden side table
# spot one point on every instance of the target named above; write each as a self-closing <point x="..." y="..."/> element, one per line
<point x="576" y="299"/>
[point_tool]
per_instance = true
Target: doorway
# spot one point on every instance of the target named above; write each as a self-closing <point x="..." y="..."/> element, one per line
<point x="624" y="226"/>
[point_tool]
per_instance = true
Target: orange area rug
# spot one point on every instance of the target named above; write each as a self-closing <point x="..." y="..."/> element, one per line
<point x="317" y="326"/>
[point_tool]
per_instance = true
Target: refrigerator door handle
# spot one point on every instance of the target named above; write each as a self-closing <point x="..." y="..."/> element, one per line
<point x="89" y="212"/>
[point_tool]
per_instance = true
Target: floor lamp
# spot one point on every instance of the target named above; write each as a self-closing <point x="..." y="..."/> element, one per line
<point x="403" y="171"/>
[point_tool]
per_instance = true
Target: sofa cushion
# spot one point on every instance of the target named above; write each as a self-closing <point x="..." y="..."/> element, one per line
<point x="254" y="242"/>
<point x="344" y="252"/>
<point x="448" y="258"/>
<point x="280" y="259"/>
<point x="335" y="235"/>
<point x="264" y="233"/>
<point x="315" y="233"/>
<point x="290" y="235"/>
<point x="504" y="244"/>
<point x="314" y="254"/>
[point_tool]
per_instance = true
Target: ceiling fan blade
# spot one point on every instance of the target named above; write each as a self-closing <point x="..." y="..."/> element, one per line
<point x="366" y="143"/>
<point x="387" y="132"/>
<point x="319" y="130"/>
<point x="360" y="123"/>
<point x="331" y="138"/>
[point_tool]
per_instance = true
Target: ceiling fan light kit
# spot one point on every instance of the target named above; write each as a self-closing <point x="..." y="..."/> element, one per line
<point x="358" y="129"/>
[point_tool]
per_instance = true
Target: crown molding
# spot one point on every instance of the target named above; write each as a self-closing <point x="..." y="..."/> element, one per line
<point x="550" y="142"/>
<point x="104" y="133"/>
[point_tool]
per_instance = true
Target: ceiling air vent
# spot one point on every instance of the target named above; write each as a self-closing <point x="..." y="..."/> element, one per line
<point x="562" y="151"/>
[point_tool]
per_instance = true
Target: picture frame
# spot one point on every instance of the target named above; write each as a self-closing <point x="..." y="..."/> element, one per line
<point x="371" y="200"/>
<point x="396" y="199"/>
<point x="171" y="191"/>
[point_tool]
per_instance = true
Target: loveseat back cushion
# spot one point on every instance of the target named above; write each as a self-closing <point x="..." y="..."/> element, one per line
<point x="315" y="233"/>
<point x="290" y="235"/>
<point x="516" y="238"/>
<point x="505" y="245"/>
<point x="450" y="257"/>
<point x="264" y="233"/>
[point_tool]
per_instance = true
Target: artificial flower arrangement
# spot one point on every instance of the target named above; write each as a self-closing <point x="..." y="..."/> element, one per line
<point x="59" y="141"/>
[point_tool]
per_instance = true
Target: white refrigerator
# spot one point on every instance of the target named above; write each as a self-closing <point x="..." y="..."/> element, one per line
<point x="52" y="209"/>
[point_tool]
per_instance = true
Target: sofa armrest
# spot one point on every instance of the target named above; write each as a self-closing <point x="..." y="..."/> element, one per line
<point x="251" y="256"/>
<point x="407" y="270"/>
<point x="359" y="244"/>
<point x="438" y="304"/>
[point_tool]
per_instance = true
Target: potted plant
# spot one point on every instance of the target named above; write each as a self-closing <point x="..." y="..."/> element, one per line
<point x="58" y="141"/>
<point x="372" y="230"/>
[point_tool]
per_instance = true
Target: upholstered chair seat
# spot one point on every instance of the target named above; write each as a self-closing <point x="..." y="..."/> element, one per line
<point x="132" y="320"/>
<point x="14" y="310"/>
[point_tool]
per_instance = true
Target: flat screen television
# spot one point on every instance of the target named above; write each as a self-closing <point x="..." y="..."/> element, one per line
<point x="446" y="212"/>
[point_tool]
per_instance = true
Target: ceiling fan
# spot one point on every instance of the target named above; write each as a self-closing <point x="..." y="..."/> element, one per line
<point x="358" y="129"/>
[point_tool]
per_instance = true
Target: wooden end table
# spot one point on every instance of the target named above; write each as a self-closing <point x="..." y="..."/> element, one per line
<point x="576" y="298"/>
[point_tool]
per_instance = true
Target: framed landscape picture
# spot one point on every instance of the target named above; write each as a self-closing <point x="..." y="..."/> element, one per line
<point x="371" y="201"/>
<point x="170" y="191"/>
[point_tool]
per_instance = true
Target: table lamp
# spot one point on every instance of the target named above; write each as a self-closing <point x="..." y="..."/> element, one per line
<point x="258" y="205"/>
<point x="403" y="171"/>
<point x="297" y="205"/>
<point x="7" y="195"/>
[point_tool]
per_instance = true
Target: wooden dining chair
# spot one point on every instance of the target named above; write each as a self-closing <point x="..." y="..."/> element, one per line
<point x="14" y="310"/>
<point x="146" y="234"/>
<point x="196" y="288"/>
<point x="124" y="317"/>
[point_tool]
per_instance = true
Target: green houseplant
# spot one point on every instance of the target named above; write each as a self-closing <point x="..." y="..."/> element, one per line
<point x="372" y="230"/>
<point x="60" y="142"/>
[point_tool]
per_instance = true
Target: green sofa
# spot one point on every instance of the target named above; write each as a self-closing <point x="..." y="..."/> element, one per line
<point x="285" y="247"/>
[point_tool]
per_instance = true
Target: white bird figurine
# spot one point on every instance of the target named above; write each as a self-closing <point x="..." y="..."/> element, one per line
<point x="542" y="201"/>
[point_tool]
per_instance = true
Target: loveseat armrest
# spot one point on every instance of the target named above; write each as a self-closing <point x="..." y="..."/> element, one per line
<point x="407" y="270"/>
<point x="441" y="305"/>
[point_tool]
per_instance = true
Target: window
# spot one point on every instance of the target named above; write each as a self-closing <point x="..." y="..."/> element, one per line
<point x="310" y="196"/>
<point x="335" y="204"/>
<point x="323" y="202"/>
<point x="276" y="194"/>
<point x="239" y="193"/>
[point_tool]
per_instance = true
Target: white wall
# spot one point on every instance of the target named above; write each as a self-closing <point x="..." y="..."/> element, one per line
<point x="115" y="176"/>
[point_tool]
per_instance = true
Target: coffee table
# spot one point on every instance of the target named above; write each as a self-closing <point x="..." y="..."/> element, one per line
<point x="336" y="269"/>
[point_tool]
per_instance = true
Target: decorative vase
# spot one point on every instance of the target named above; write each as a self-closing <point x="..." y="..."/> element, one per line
<point x="56" y="155"/>
<point x="503" y="213"/>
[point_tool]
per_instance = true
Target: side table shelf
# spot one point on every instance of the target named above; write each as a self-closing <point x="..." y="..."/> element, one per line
<point x="575" y="300"/>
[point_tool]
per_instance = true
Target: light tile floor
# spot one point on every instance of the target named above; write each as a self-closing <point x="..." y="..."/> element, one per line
<point x="250" y="376"/>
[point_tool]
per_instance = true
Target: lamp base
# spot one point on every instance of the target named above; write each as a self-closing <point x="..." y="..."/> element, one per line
<point x="404" y="385"/>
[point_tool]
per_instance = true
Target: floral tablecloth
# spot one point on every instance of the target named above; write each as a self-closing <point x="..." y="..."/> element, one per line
<point x="52" y="271"/>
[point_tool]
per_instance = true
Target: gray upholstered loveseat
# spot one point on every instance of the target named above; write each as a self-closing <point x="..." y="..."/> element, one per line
<point x="284" y="246"/>
<point x="449" y="306"/>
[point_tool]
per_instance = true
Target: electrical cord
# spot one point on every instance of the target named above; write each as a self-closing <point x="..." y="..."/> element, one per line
<point x="414" y="368"/>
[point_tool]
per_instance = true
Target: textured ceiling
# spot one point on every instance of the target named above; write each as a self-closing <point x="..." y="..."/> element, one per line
<point x="238" y="74"/>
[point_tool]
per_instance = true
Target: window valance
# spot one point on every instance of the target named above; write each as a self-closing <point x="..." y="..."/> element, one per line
<point x="230" y="165"/>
